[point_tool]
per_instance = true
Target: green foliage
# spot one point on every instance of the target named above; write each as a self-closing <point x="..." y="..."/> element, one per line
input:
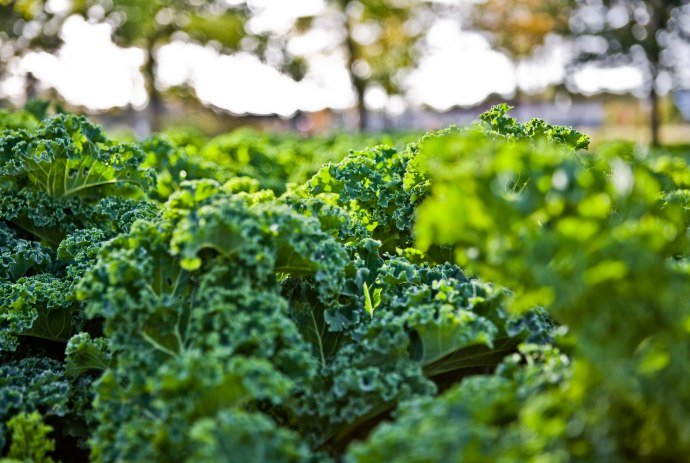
<point x="68" y="156"/>
<point x="29" y="442"/>
<point x="197" y="283"/>
<point x="490" y="293"/>
<point x="486" y="418"/>
<point x="173" y="164"/>
<point x="37" y="384"/>
<point x="65" y="176"/>
<point x="84" y="354"/>
<point x="496" y="122"/>
<point x="196" y="322"/>
<point x="66" y="190"/>
<point x="598" y="238"/>
<point x="32" y="383"/>
<point x="368" y="184"/>
<point x="14" y="120"/>
<point x="432" y="326"/>
<point x="275" y="161"/>
<point x="245" y="437"/>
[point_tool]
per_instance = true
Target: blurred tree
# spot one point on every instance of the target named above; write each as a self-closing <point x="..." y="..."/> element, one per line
<point x="151" y="23"/>
<point x="25" y="26"/>
<point x="647" y="34"/>
<point x="379" y="39"/>
<point x="518" y="27"/>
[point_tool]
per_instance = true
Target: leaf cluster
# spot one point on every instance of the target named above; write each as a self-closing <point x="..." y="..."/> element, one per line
<point x="222" y="314"/>
<point x="66" y="189"/>
<point x="600" y="240"/>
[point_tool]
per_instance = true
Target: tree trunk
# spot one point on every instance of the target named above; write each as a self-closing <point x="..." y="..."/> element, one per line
<point x="362" y="123"/>
<point x="359" y="84"/>
<point x="655" y="119"/>
<point x="657" y="21"/>
<point x="30" y="86"/>
<point x="154" y="108"/>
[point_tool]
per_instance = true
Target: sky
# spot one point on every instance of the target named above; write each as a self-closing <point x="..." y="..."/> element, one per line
<point x="460" y="68"/>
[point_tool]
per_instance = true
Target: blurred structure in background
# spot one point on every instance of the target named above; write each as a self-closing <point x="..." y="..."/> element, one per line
<point x="352" y="64"/>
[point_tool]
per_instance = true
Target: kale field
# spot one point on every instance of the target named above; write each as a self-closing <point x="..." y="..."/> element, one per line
<point x="494" y="293"/>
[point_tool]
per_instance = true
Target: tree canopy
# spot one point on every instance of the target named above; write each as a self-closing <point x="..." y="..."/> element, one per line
<point x="648" y="35"/>
<point x="645" y="34"/>
<point x="518" y="27"/>
<point x="27" y="25"/>
<point x="151" y="23"/>
<point x="379" y="40"/>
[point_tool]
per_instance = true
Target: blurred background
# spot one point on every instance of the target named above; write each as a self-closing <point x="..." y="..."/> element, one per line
<point x="617" y="69"/>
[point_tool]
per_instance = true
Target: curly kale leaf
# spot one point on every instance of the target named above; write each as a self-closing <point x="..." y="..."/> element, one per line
<point x="19" y="256"/>
<point x="32" y="383"/>
<point x="67" y="175"/>
<point x="479" y="419"/>
<point x="242" y="436"/>
<point x="53" y="219"/>
<point x="369" y="185"/>
<point x="334" y="219"/>
<point x="43" y="218"/>
<point x="84" y="354"/>
<point x="174" y="161"/>
<point x="115" y="215"/>
<point x="425" y="155"/>
<point x="600" y="241"/>
<point x="69" y="156"/>
<point x="38" y="306"/>
<point x="398" y="324"/>
<point x="49" y="220"/>
<point x="267" y="235"/>
<point x="431" y="326"/>
<point x="142" y="269"/>
<point x="361" y="383"/>
<point x="496" y="122"/>
<point x="29" y="439"/>
<point x="154" y="421"/>
<point x="38" y="384"/>
<point x="189" y="341"/>
<point x="327" y="322"/>
<point x="43" y="305"/>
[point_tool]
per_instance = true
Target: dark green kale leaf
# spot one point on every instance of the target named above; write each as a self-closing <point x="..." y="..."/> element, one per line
<point x="66" y="190"/>
<point x="196" y="322"/>
<point x="482" y="419"/>
<point x="242" y="436"/>
<point x="69" y="156"/>
<point x="51" y="177"/>
<point x="368" y="184"/>
<point x="430" y="327"/>
<point x="19" y="256"/>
